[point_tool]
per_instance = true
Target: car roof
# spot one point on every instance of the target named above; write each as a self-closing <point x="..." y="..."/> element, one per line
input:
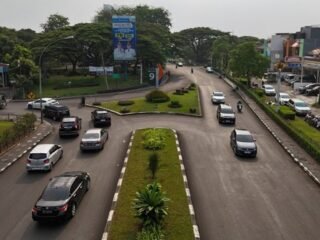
<point x="94" y="130"/>
<point x="284" y="93"/>
<point x="242" y="132"/>
<point x="57" y="106"/>
<point x="64" y="181"/>
<point x="225" y="106"/>
<point x="215" y="92"/>
<point x="69" y="119"/>
<point x="268" y="85"/>
<point x="42" y="148"/>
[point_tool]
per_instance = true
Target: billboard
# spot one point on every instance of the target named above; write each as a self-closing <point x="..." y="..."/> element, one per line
<point x="124" y="38"/>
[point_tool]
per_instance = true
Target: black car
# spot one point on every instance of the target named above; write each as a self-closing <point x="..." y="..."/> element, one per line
<point x="70" y="126"/>
<point x="225" y="114"/>
<point x="61" y="197"/>
<point x="242" y="143"/>
<point x="313" y="91"/>
<point x="100" y="118"/>
<point x="56" y="112"/>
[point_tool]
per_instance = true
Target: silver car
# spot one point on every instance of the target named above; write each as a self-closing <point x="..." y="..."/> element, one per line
<point x="94" y="139"/>
<point x="43" y="157"/>
<point x="217" y="97"/>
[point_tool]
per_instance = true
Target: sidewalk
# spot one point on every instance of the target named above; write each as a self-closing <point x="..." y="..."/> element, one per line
<point x="18" y="150"/>
<point x="309" y="165"/>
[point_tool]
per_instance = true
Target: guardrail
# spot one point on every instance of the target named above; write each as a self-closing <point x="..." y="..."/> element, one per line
<point x="9" y="117"/>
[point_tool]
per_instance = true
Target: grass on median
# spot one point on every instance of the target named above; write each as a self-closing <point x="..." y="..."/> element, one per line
<point x="61" y="86"/>
<point x="188" y="100"/>
<point x="178" y="224"/>
<point x="5" y="125"/>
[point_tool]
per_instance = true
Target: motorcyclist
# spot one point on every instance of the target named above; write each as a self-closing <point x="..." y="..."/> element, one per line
<point x="239" y="106"/>
<point x="191" y="70"/>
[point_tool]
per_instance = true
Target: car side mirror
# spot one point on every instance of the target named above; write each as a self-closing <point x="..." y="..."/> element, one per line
<point x="254" y="140"/>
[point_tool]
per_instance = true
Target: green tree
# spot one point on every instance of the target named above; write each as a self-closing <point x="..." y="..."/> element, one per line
<point x="221" y="49"/>
<point x="54" y="22"/>
<point x="246" y="62"/>
<point x="197" y="43"/>
<point x="150" y="205"/>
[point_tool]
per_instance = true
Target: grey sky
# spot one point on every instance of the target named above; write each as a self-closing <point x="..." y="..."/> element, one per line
<point x="260" y="18"/>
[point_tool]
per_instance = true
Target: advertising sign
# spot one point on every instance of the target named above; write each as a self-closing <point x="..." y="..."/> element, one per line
<point x="124" y="38"/>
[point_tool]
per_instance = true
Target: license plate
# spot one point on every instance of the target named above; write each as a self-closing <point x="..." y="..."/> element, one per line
<point x="103" y="120"/>
<point x="247" y="152"/>
<point x="47" y="211"/>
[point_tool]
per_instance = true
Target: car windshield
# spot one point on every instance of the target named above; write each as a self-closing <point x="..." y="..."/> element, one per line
<point x="244" y="138"/>
<point x="55" y="194"/>
<point x="284" y="95"/>
<point x="91" y="135"/>
<point x="68" y="124"/>
<point x="37" y="155"/>
<point x="268" y="87"/>
<point x="226" y="110"/>
<point x="101" y="115"/>
<point x="218" y="94"/>
<point x="301" y="104"/>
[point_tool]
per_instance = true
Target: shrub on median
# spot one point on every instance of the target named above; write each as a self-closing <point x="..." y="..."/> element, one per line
<point x="287" y="113"/>
<point x="154" y="139"/>
<point x="157" y="96"/>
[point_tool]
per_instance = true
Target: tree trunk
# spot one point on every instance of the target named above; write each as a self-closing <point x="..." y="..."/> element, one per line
<point x="74" y="67"/>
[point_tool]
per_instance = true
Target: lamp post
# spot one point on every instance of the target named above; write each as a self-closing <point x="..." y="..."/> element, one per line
<point x="279" y="66"/>
<point x="40" y="72"/>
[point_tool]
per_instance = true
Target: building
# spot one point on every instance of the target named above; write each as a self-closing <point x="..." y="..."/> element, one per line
<point x="4" y="78"/>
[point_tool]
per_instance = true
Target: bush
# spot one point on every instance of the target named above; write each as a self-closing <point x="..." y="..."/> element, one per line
<point x="96" y="103"/>
<point x="287" y="113"/>
<point x="125" y="102"/>
<point x="179" y="92"/>
<point x="175" y="104"/>
<point x="125" y="110"/>
<point x="150" y="205"/>
<point x="192" y="110"/>
<point x="153" y="163"/>
<point x="157" y="96"/>
<point x="153" y="139"/>
<point x="259" y="92"/>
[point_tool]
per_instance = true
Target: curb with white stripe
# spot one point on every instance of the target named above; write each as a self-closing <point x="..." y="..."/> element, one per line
<point x="116" y="194"/>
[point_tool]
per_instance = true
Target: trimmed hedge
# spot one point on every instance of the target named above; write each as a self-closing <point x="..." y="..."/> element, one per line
<point x="287" y="113"/>
<point x="157" y="96"/>
<point x="125" y="102"/>
<point x="175" y="104"/>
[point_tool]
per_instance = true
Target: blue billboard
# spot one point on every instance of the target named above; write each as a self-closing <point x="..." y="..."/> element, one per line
<point x="124" y="38"/>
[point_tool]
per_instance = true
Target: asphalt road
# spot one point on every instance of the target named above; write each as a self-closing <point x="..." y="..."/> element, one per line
<point x="234" y="198"/>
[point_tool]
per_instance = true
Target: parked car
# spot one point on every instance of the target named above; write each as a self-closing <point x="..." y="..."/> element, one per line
<point x="313" y="91"/>
<point x="302" y="89"/>
<point x="225" y="114"/>
<point x="43" y="157"/>
<point x="299" y="106"/>
<point x="56" y="112"/>
<point x="94" y="139"/>
<point x="209" y="70"/>
<point x="70" y="126"/>
<point x="289" y="77"/>
<point x="217" y="97"/>
<point x="269" y="90"/>
<point x="243" y="143"/>
<point x="36" y="104"/>
<point x="61" y="197"/>
<point x="283" y="98"/>
<point x="100" y="118"/>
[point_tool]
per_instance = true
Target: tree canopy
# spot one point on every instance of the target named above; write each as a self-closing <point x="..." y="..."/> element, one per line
<point x="54" y="22"/>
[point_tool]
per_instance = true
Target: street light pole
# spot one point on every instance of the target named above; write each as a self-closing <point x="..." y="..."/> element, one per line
<point x="40" y="71"/>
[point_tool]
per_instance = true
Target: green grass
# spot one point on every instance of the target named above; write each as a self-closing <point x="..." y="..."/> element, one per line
<point x="5" y="125"/>
<point x="66" y="89"/>
<point x="188" y="100"/>
<point x="177" y="224"/>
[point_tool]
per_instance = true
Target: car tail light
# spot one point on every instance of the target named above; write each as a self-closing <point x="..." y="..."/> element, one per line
<point x="63" y="208"/>
<point x="28" y="161"/>
<point x="34" y="209"/>
<point x="76" y="126"/>
<point x="46" y="161"/>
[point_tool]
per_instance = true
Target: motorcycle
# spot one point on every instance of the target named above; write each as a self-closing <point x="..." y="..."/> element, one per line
<point x="239" y="107"/>
<point x="191" y="70"/>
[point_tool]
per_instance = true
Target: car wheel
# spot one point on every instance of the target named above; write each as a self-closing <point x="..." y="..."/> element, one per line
<point x="73" y="210"/>
<point x="88" y="186"/>
<point x="29" y="106"/>
<point x="51" y="167"/>
<point x="235" y="150"/>
<point x="61" y="155"/>
<point x="54" y="118"/>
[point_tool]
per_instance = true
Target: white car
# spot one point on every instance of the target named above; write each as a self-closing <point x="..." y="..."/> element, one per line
<point x="283" y="98"/>
<point x="217" y="97"/>
<point x="44" y="156"/>
<point x="94" y="139"/>
<point x="269" y="90"/>
<point x="36" y="104"/>
<point x="299" y="106"/>
<point x="180" y="64"/>
<point x="209" y="70"/>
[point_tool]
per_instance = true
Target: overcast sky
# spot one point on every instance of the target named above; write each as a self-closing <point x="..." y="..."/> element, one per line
<point x="260" y="18"/>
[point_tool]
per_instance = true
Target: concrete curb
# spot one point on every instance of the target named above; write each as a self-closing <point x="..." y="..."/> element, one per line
<point x="25" y="151"/>
<point x="187" y="190"/>
<point x="186" y="186"/>
<point x="116" y="194"/>
<point x="287" y="149"/>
